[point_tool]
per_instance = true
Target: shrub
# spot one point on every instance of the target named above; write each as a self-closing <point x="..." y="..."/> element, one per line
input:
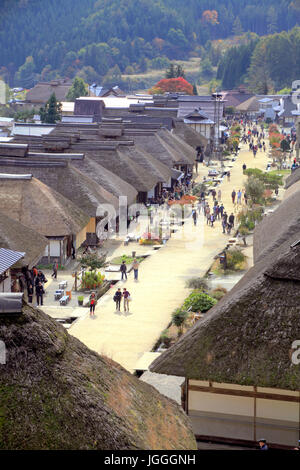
<point x="179" y="318"/>
<point x="197" y="283"/>
<point x="197" y="301"/>
<point x="235" y="258"/>
<point x="92" y="280"/>
<point x="255" y="189"/>
<point x="217" y="294"/>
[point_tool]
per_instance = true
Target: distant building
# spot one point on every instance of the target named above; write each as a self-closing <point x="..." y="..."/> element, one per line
<point x="41" y="92"/>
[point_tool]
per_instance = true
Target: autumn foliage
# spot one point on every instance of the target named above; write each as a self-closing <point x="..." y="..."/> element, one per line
<point x="210" y="17"/>
<point x="172" y="85"/>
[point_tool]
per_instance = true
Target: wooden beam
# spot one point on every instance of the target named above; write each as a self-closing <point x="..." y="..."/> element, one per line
<point x="245" y="393"/>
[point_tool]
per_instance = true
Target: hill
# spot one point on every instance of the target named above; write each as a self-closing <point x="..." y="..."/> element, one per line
<point x="42" y="40"/>
<point x="57" y="394"/>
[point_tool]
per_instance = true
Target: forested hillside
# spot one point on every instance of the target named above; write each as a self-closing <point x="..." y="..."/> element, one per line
<point x="265" y="65"/>
<point x="42" y="39"/>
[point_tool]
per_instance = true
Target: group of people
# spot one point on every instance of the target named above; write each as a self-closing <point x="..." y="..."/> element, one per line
<point x="119" y="295"/>
<point x="33" y="281"/>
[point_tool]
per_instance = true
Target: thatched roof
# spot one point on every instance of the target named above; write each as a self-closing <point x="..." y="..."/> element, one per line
<point x="40" y="207"/>
<point x="69" y="182"/>
<point x="56" y="394"/>
<point x="41" y="92"/>
<point x="117" y="162"/>
<point x="293" y="178"/>
<point x="106" y="179"/>
<point x="248" y="106"/>
<point x="183" y="152"/>
<point x="246" y="338"/>
<point x="16" y="236"/>
<point x="150" y="164"/>
<point x="273" y="231"/>
<point x="189" y="135"/>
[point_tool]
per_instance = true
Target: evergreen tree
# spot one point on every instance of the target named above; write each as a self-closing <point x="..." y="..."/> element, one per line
<point x="237" y="27"/>
<point x="78" y="89"/>
<point x="51" y="112"/>
<point x="195" y="91"/>
<point x="259" y="79"/>
<point x="25" y="75"/>
<point x="272" y="20"/>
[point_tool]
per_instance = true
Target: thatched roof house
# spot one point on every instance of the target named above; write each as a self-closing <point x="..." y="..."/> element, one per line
<point x="293" y="178"/>
<point x="189" y="135"/>
<point x="38" y="206"/>
<point x="75" y="399"/>
<point x="42" y="91"/>
<point x="241" y="381"/>
<point x="16" y="236"/>
<point x="282" y="225"/>
<point x="251" y="105"/>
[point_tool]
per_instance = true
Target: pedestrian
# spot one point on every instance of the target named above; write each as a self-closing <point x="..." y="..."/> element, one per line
<point x="54" y="269"/>
<point x="219" y="195"/>
<point x="117" y="299"/>
<point x="263" y="444"/>
<point x="246" y="198"/>
<point x="123" y="269"/>
<point x="228" y="175"/>
<point x="221" y="209"/>
<point x="212" y="219"/>
<point x="126" y="297"/>
<point x="93" y="302"/>
<point x="239" y="197"/>
<point x="194" y="215"/>
<point x="213" y="193"/>
<point x="244" y="167"/>
<point x="39" y="293"/>
<point x="135" y="269"/>
<point x="73" y="252"/>
<point x="224" y="224"/>
<point x="233" y="194"/>
<point x="30" y="293"/>
<point x="231" y="220"/>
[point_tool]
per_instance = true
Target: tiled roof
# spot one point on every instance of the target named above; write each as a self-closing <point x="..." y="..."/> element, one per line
<point x="8" y="258"/>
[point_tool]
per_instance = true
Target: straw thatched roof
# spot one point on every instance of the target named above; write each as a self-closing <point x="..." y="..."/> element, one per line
<point x="189" y="135"/>
<point x="41" y="92"/>
<point x="106" y="179"/>
<point x="150" y="164"/>
<point x="185" y="154"/>
<point x="117" y="162"/>
<point x="247" y="337"/>
<point x="40" y="207"/>
<point x="273" y="231"/>
<point x="248" y="106"/>
<point x="69" y="182"/>
<point x="56" y="394"/>
<point x="293" y="178"/>
<point x="16" y="236"/>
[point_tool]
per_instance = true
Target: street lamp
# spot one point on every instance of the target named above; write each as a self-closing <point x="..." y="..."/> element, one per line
<point x="217" y="97"/>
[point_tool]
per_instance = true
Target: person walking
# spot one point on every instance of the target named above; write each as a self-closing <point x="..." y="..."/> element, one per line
<point x="244" y="167"/>
<point x="194" y="215"/>
<point x="93" y="302"/>
<point x="123" y="269"/>
<point x="239" y="197"/>
<point x="126" y="297"/>
<point x="230" y="222"/>
<point x="212" y="219"/>
<point x="135" y="269"/>
<point x="246" y="198"/>
<point x="117" y="299"/>
<point x="39" y="293"/>
<point x="233" y="194"/>
<point x="213" y="193"/>
<point x="54" y="268"/>
<point x="224" y="223"/>
<point x="228" y="175"/>
<point x="219" y="195"/>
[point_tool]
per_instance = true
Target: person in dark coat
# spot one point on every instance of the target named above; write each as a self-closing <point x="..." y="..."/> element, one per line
<point x="30" y="293"/>
<point x="117" y="299"/>
<point x="123" y="269"/>
<point x="39" y="293"/>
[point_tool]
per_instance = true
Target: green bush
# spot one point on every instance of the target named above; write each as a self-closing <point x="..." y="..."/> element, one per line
<point x="197" y="301"/>
<point x="179" y="318"/>
<point x="218" y="295"/>
<point x="92" y="280"/>
<point x="235" y="258"/>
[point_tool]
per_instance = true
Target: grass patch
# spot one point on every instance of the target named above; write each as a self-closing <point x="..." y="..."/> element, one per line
<point x="127" y="259"/>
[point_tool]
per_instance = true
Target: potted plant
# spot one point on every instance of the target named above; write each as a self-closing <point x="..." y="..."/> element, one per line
<point x="80" y="299"/>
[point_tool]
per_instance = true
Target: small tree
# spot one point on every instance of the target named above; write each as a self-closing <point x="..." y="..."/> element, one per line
<point x="93" y="261"/>
<point x="179" y="318"/>
<point x="255" y="189"/>
<point x="51" y="113"/>
<point x="78" y="89"/>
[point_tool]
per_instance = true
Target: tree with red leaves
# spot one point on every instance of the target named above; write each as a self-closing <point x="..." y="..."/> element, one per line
<point x="172" y="85"/>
